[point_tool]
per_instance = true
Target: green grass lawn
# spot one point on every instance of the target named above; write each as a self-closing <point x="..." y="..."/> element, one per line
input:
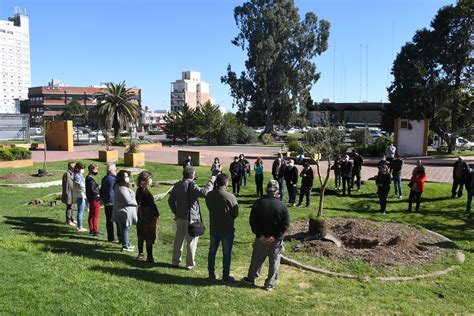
<point x="436" y="153"/>
<point x="49" y="268"/>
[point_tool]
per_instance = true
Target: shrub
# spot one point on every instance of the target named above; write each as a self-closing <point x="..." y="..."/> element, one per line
<point x="293" y="145"/>
<point x="291" y="138"/>
<point x="379" y="145"/>
<point x="15" y="153"/>
<point x="361" y="137"/>
<point x="132" y="148"/>
<point x="228" y="135"/>
<point x="118" y="141"/>
<point x="267" y="139"/>
<point x="246" y="135"/>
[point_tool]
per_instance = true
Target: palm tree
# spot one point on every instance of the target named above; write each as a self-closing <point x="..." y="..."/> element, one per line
<point x="116" y="107"/>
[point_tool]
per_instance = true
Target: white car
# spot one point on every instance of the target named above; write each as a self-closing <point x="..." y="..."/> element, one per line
<point x="464" y="144"/>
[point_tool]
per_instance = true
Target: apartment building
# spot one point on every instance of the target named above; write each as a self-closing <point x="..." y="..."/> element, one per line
<point x="189" y="90"/>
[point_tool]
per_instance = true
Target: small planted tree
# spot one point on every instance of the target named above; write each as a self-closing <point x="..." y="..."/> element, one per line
<point x="46" y="130"/>
<point x="181" y="124"/>
<point x="324" y="143"/>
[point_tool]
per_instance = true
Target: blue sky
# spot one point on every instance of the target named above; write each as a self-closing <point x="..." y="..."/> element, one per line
<point x="148" y="43"/>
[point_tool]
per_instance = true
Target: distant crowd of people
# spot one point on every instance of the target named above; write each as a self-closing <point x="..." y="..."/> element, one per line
<point x="269" y="216"/>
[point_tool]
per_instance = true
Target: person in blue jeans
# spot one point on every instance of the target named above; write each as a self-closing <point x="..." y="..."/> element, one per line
<point x="125" y="208"/>
<point x="223" y="209"/>
<point x="396" y="166"/>
<point x="278" y="172"/>
<point x="79" y="193"/>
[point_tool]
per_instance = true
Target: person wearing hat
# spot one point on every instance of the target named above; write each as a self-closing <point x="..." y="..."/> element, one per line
<point x="93" y="198"/>
<point x="346" y="175"/>
<point x="269" y="220"/>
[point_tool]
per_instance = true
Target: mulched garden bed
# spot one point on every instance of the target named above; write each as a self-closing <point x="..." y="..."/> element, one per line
<point x="14" y="177"/>
<point x="375" y="243"/>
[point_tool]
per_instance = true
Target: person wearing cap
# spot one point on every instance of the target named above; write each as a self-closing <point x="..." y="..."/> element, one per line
<point x="382" y="180"/>
<point x="66" y="196"/>
<point x="461" y="171"/>
<point x="223" y="210"/>
<point x="107" y="197"/>
<point x="357" y="168"/>
<point x="346" y="175"/>
<point x="269" y="220"/>
<point x="183" y="202"/>
<point x="291" y="180"/>
<point x="93" y="197"/>
<point x="236" y="171"/>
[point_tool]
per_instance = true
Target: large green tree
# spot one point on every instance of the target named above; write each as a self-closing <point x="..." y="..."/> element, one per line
<point x="279" y="68"/>
<point x="117" y="107"/>
<point x="182" y="124"/>
<point x="433" y="74"/>
<point x="209" y="120"/>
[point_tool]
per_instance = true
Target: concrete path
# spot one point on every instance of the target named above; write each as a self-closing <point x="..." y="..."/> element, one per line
<point x="438" y="169"/>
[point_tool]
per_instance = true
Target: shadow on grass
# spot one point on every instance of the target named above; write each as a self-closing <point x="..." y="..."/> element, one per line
<point x="154" y="276"/>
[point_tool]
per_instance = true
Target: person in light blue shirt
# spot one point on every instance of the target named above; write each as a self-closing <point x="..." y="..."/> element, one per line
<point x="258" y="168"/>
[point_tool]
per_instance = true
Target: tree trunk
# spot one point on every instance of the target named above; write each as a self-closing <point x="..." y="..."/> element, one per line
<point x="269" y="118"/>
<point x="116" y="125"/>
<point x="321" y="201"/>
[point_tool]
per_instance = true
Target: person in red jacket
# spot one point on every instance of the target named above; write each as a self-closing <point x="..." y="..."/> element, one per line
<point x="417" y="186"/>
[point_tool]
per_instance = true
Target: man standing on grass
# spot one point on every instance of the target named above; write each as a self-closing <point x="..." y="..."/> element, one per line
<point x="184" y="204"/>
<point x="269" y="220"/>
<point x="291" y="179"/>
<point x="66" y="196"/>
<point x="461" y="170"/>
<point x="470" y="190"/>
<point x="278" y="172"/>
<point x="107" y="197"/>
<point x="223" y="209"/>
<point x="236" y="171"/>
<point x="357" y="168"/>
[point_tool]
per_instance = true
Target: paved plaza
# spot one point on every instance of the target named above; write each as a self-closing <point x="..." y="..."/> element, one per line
<point x="438" y="169"/>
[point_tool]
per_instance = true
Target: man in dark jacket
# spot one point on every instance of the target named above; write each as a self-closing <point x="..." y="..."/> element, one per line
<point x="357" y="168"/>
<point x="346" y="175"/>
<point x="223" y="209"/>
<point x="291" y="179"/>
<point x="245" y="169"/>
<point x="269" y="220"/>
<point x="382" y="180"/>
<point x="66" y="196"/>
<point x="93" y="197"/>
<point x="108" y="199"/>
<point x="470" y="189"/>
<point x="307" y="176"/>
<point x="396" y="167"/>
<point x="278" y="172"/>
<point x="460" y="172"/>
<point x="236" y="171"/>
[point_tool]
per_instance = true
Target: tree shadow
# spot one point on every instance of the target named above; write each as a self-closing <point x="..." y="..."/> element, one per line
<point x="154" y="276"/>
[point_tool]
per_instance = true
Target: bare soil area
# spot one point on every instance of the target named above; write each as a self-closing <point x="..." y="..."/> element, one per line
<point x="376" y="243"/>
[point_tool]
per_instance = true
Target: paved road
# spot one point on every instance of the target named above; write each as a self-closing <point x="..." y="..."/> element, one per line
<point x="438" y="169"/>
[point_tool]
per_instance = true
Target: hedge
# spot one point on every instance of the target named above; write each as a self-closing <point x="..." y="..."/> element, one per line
<point x="14" y="153"/>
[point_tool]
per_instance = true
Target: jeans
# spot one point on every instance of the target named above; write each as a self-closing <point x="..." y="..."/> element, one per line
<point x="281" y="183"/>
<point x="124" y="230"/>
<point x="397" y="184"/>
<point x="305" y="191"/>
<point x="243" y="179"/>
<point x="109" y="209"/>
<point x="227" y="240"/>
<point x="259" y="184"/>
<point x="81" y="205"/>
<point x="236" y="185"/>
<point x="456" y="184"/>
<point x="338" y="177"/>
<point x="94" y="212"/>
<point x="470" y="193"/>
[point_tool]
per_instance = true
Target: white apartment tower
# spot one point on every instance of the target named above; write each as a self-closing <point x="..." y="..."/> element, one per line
<point x="15" y="70"/>
<point x="189" y="90"/>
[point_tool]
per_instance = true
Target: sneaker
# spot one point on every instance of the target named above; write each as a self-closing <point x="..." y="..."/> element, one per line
<point x="249" y="281"/>
<point x="128" y="249"/>
<point x="71" y="224"/>
<point x="292" y="204"/>
<point x="81" y="229"/>
<point x="141" y="257"/>
<point x="189" y="267"/>
<point x="269" y="288"/>
<point x="228" y="279"/>
<point x="299" y="205"/>
<point x="400" y="197"/>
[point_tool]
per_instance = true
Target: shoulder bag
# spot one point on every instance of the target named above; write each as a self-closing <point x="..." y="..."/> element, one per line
<point x="195" y="229"/>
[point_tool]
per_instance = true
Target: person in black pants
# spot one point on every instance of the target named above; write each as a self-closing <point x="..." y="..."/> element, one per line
<point x="107" y="197"/>
<point x="346" y="174"/>
<point x="382" y="180"/>
<point x="291" y="179"/>
<point x="258" y="168"/>
<point x="461" y="171"/>
<point x="236" y="174"/>
<point x="307" y="176"/>
<point x="357" y="168"/>
<point x="278" y="172"/>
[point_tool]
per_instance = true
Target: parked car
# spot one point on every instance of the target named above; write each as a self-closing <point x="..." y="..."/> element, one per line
<point x="464" y="144"/>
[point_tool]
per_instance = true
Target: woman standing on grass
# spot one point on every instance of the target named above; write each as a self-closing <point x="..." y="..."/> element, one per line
<point x="147" y="216"/>
<point x="382" y="180"/>
<point x="216" y="165"/>
<point x="258" y="168"/>
<point x="79" y="193"/>
<point x="417" y="186"/>
<point x="93" y="197"/>
<point x="125" y="208"/>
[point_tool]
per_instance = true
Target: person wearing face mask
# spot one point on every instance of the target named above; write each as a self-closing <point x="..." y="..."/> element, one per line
<point x="216" y="165"/>
<point x="382" y="180"/>
<point x="291" y="179"/>
<point x="236" y="172"/>
<point x="148" y="216"/>
<point x="125" y="208"/>
<point x="79" y="193"/>
<point x="93" y="197"/>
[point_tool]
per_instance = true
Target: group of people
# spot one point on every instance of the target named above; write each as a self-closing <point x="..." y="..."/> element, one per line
<point x="269" y="217"/>
<point x="122" y="205"/>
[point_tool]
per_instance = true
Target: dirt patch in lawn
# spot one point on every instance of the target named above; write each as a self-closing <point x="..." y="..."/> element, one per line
<point x="376" y="243"/>
<point x="16" y="177"/>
